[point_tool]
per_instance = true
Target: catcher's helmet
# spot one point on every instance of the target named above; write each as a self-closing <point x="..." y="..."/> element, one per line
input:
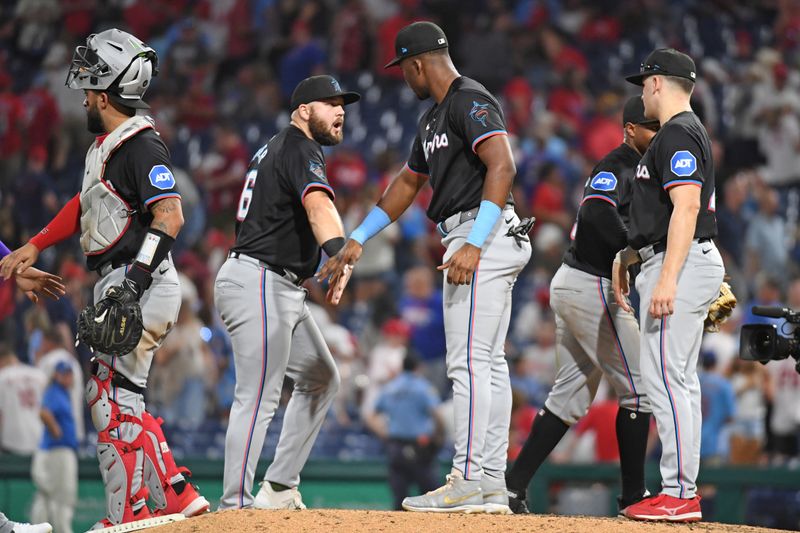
<point x="116" y="62"/>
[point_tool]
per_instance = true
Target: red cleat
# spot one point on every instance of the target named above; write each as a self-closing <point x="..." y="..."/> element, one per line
<point x="129" y="516"/>
<point x="665" y="508"/>
<point x="189" y="503"/>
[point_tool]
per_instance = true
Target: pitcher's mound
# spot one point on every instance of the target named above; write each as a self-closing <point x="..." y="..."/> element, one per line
<point x="334" y="520"/>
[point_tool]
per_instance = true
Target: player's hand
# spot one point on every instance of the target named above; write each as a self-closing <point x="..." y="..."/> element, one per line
<point x="462" y="264"/>
<point x="662" y="302"/>
<point x="338" y="268"/>
<point x="18" y="261"/>
<point x="34" y="282"/>
<point x="620" y="284"/>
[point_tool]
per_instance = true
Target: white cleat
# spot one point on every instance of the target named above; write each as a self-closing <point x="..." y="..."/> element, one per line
<point x="458" y="495"/>
<point x="19" y="527"/>
<point x="495" y="496"/>
<point x="267" y="498"/>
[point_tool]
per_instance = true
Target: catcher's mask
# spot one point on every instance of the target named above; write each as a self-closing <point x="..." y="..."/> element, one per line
<point x="116" y="62"/>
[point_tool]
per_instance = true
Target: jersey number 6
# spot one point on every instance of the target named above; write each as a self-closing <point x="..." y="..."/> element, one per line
<point x="247" y="194"/>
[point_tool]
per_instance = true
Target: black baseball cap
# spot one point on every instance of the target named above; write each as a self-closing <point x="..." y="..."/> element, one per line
<point x="417" y="38"/>
<point x="667" y="62"/>
<point x="633" y="112"/>
<point x="319" y="88"/>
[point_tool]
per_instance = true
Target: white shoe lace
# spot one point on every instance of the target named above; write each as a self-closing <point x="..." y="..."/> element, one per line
<point x="451" y="479"/>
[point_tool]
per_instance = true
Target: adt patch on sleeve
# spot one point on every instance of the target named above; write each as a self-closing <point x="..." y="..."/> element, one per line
<point x="604" y="181"/>
<point x="683" y="163"/>
<point x="161" y="177"/>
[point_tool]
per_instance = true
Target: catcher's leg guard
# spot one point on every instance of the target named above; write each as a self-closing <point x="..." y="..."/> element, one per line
<point x="125" y="495"/>
<point x="163" y="478"/>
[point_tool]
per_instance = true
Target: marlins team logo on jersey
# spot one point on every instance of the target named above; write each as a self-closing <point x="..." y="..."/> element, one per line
<point x="316" y="169"/>
<point x="683" y="163"/>
<point x="438" y="141"/>
<point x="642" y="173"/>
<point x="161" y="177"/>
<point x="604" y="181"/>
<point x="479" y="113"/>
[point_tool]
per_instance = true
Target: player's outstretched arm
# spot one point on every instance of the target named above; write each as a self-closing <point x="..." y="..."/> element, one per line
<point x="329" y="232"/>
<point x="34" y="283"/>
<point x="396" y="199"/>
<point x="65" y="224"/>
<point x="495" y="153"/>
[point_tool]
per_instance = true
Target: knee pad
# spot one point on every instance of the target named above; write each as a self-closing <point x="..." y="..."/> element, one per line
<point x="100" y="405"/>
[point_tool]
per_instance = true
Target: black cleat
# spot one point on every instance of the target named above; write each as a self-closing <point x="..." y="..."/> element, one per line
<point x="624" y="504"/>
<point x="517" y="502"/>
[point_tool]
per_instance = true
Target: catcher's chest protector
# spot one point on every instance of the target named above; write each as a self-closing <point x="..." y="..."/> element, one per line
<point x="104" y="215"/>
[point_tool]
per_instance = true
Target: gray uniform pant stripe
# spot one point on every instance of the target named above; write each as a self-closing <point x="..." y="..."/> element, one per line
<point x="594" y="337"/>
<point x="476" y="319"/>
<point x="670" y="347"/>
<point x="273" y="335"/>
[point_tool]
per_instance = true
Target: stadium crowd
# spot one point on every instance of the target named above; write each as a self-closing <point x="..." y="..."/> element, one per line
<point x="226" y="72"/>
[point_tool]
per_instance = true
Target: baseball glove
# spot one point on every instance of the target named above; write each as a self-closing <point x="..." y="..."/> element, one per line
<point x="113" y="326"/>
<point x="720" y="309"/>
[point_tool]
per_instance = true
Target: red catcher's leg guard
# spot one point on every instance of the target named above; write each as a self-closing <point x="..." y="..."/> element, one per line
<point x="161" y="473"/>
<point x="118" y="458"/>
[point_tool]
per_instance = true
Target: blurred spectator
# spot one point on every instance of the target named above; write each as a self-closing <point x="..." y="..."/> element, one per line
<point x="55" y="465"/>
<point x="11" y="132"/>
<point x="732" y="221"/>
<point x="719" y="408"/>
<point x="748" y="380"/>
<point x="305" y="58"/>
<point x="52" y="353"/>
<point x="768" y="293"/>
<point x="766" y="237"/>
<point x="410" y="429"/>
<point x="784" y="422"/>
<point x="350" y="39"/>
<point x="601" y="422"/>
<point x="222" y="171"/>
<point x="523" y="415"/>
<point x="34" y="193"/>
<point x="385" y="361"/>
<point x="41" y="119"/>
<point x="21" y="390"/>
<point x="182" y="366"/>
<point x="421" y="308"/>
<point x="548" y="204"/>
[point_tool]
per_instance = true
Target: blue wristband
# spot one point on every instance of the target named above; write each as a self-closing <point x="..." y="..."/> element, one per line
<point x="488" y="214"/>
<point x="376" y="220"/>
<point x="4" y="251"/>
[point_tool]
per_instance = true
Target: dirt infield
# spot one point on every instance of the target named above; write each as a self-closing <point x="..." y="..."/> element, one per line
<point x="332" y="520"/>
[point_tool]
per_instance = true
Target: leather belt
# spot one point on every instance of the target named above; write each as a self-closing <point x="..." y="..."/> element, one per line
<point x="452" y="222"/>
<point x="285" y="273"/>
<point x="649" y="251"/>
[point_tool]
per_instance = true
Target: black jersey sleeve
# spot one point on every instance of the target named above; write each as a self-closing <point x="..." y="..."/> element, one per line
<point x="149" y="169"/>
<point x="416" y="159"/>
<point x="476" y="117"/>
<point x="603" y="185"/>
<point x="608" y="228"/>
<point x="304" y="170"/>
<point x="679" y="158"/>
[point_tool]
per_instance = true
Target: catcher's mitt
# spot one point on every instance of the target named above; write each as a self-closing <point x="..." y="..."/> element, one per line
<point x="113" y="326"/>
<point x="720" y="309"/>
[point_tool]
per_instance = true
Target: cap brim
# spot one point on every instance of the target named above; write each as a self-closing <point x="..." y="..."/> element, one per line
<point x="394" y="61"/>
<point x="350" y="97"/>
<point x="637" y="79"/>
<point x="135" y="104"/>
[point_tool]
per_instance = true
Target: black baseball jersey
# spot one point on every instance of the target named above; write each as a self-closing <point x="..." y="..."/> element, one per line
<point x="679" y="154"/>
<point x="140" y="172"/>
<point x="445" y="147"/>
<point x="272" y="224"/>
<point x="600" y="230"/>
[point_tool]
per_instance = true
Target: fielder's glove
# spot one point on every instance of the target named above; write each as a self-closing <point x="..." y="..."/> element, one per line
<point x="113" y="326"/>
<point x="720" y="309"/>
